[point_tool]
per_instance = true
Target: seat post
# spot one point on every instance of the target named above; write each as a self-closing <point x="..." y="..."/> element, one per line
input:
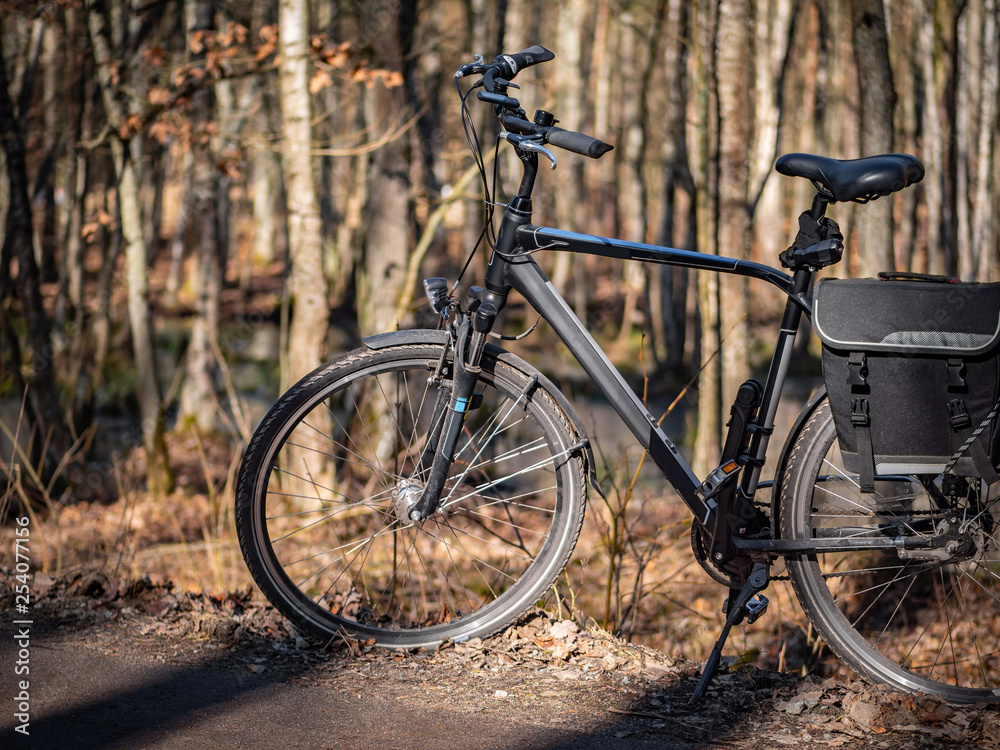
<point x="819" y="204"/>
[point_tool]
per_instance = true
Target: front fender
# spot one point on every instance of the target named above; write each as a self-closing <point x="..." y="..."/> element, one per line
<point x="438" y="337"/>
<point x="404" y="338"/>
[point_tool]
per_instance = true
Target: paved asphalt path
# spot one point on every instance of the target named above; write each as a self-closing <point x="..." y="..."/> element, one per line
<point x="102" y="688"/>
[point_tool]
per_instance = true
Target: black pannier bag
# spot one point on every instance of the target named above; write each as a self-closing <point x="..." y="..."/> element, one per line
<point x="912" y="371"/>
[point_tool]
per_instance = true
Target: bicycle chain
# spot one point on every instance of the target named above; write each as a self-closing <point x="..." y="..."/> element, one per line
<point x="786" y="577"/>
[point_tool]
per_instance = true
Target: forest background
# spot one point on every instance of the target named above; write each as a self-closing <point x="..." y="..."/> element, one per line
<point x="201" y="201"/>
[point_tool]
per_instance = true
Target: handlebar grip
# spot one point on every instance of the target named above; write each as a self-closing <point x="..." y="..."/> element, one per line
<point x="510" y="65"/>
<point x="578" y="143"/>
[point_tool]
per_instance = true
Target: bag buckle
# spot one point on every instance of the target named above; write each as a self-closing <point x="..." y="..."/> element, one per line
<point x="859" y="369"/>
<point x="956" y="373"/>
<point x="960" y="418"/>
<point x="859" y="412"/>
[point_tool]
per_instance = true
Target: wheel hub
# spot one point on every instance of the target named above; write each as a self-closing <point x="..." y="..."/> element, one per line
<point x="407" y="493"/>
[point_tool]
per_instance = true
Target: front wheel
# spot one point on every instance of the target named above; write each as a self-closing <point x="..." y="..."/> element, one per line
<point x="325" y="489"/>
<point x="918" y="623"/>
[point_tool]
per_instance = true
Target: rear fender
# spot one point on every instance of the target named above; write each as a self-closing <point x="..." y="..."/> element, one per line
<point x="786" y="450"/>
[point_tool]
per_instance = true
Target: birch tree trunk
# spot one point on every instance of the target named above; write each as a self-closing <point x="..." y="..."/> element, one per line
<point x="307" y="283"/>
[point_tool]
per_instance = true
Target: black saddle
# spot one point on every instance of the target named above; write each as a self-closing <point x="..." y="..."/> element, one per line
<point x="859" y="180"/>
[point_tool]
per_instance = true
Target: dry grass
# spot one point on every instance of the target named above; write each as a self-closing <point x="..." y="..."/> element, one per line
<point x="633" y="572"/>
<point x="187" y="537"/>
<point x="641" y="580"/>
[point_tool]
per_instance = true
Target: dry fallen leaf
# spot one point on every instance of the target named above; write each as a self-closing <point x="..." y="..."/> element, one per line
<point x="868" y="716"/>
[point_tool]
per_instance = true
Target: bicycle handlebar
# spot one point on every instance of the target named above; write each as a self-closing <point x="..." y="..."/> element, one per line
<point x="578" y="143"/>
<point x="497" y="77"/>
<point x="503" y="68"/>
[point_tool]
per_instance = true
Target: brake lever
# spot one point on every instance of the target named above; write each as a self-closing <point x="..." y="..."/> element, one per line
<point x="470" y="68"/>
<point x="527" y="143"/>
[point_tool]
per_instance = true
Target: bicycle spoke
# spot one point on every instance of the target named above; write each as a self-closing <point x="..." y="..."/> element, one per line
<point x="335" y="500"/>
<point x="927" y="621"/>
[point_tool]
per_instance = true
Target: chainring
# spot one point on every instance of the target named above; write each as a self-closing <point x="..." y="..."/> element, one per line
<point x="700" y="550"/>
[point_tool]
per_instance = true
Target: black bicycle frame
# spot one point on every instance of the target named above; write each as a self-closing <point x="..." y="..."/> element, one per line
<point x="513" y="267"/>
<point x="520" y="272"/>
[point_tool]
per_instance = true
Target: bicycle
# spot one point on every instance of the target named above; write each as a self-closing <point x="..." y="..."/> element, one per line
<point x="430" y="485"/>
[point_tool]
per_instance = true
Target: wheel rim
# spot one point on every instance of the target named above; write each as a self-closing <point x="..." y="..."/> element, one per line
<point x="920" y="624"/>
<point x="332" y="522"/>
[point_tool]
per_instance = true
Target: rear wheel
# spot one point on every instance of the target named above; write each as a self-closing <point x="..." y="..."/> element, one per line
<point x="329" y="477"/>
<point x="919" y="623"/>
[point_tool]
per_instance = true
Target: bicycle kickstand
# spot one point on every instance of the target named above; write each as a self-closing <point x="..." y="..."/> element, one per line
<point x="739" y="606"/>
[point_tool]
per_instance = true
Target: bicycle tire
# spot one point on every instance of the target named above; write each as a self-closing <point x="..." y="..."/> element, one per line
<point x="918" y="625"/>
<point x="338" y="558"/>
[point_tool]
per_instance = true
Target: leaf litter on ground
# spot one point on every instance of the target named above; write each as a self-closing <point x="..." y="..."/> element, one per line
<point x="539" y="658"/>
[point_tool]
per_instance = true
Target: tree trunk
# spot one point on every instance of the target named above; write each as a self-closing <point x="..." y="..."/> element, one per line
<point x="265" y="171"/>
<point x="158" y="476"/>
<point x="873" y="228"/>
<point x="733" y="76"/>
<point x="678" y="194"/>
<point x="631" y="194"/>
<point x="704" y="122"/>
<point x="388" y="226"/>
<point x="54" y="68"/>
<point x="70" y="299"/>
<point x="967" y="78"/>
<point x="984" y="211"/>
<point x="43" y="396"/>
<point x="569" y="194"/>
<point x="933" y="154"/>
<point x="178" y="242"/>
<point x="198" y="402"/>
<point x="307" y="284"/>
<point x="774" y="26"/>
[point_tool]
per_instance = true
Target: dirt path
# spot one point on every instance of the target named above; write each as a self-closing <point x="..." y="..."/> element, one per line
<point x="139" y="667"/>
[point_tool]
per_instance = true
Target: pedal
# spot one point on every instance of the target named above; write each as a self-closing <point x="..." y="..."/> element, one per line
<point x="755" y="608"/>
<point x="716" y="479"/>
<point x="752" y="610"/>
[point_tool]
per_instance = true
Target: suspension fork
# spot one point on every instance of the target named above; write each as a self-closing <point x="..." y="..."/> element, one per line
<point x="471" y="330"/>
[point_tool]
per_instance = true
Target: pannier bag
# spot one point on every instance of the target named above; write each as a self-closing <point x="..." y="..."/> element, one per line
<point x="912" y="371"/>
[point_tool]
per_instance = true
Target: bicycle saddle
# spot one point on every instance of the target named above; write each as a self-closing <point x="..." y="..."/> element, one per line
<point x="858" y="180"/>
